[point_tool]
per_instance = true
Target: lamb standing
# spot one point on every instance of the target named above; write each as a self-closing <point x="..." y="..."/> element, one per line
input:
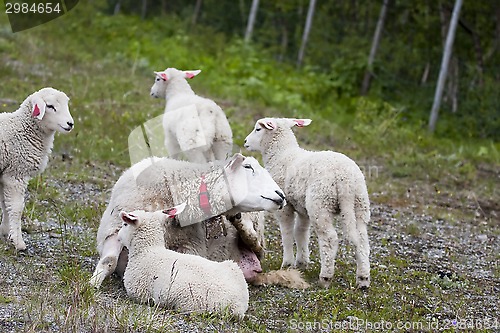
<point x="174" y="280"/>
<point x="193" y="125"/>
<point x="317" y="185"/>
<point x="26" y="139"/>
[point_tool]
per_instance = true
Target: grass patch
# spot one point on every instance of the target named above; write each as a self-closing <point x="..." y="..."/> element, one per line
<point x="431" y="196"/>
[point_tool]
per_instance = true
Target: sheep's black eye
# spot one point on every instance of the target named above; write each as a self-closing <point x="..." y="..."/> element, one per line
<point x="51" y="107"/>
<point x="248" y="166"/>
<point x="157" y="79"/>
<point x="258" y="129"/>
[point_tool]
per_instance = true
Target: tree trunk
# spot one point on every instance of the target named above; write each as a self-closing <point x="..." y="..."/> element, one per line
<point x="307" y="30"/>
<point x="117" y="7"/>
<point x="425" y="75"/>
<point x="251" y="20"/>
<point x="444" y="65"/>
<point x="163" y="7"/>
<point x="451" y="94"/>
<point x="376" y="41"/>
<point x="196" y="13"/>
<point x="243" y="14"/>
<point x="144" y="9"/>
<point x="284" y="43"/>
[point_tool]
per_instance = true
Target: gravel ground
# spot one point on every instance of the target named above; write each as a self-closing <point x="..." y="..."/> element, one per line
<point x="454" y="238"/>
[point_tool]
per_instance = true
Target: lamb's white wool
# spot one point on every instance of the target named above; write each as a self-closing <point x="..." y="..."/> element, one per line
<point x="317" y="185"/>
<point x="178" y="281"/>
<point x="157" y="186"/>
<point x="194" y="126"/>
<point x="26" y="139"/>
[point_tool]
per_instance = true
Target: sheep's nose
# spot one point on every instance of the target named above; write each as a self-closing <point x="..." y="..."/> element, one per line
<point x="281" y="201"/>
<point x="70" y="124"/>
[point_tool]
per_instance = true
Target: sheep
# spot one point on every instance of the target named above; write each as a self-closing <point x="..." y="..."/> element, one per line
<point x="317" y="185"/>
<point x="193" y="125"/>
<point x="26" y="139"/>
<point x="178" y="281"/>
<point x="241" y="185"/>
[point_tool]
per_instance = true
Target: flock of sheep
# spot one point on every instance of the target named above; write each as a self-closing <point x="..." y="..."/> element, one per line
<point x="173" y="228"/>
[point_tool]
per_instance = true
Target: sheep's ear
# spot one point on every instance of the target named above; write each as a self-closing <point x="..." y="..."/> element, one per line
<point x="38" y="110"/>
<point x="269" y="124"/>
<point x="235" y="162"/>
<point x="176" y="210"/>
<point x="300" y="122"/>
<point x="128" y="218"/>
<point x="162" y="75"/>
<point x="191" y="74"/>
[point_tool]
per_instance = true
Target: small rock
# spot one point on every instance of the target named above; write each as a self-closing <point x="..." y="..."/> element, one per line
<point x="482" y="237"/>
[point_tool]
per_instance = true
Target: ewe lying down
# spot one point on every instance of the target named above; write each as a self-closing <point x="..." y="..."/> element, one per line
<point x="209" y="190"/>
<point x="317" y="186"/>
<point x="174" y="280"/>
<point x="26" y="139"/>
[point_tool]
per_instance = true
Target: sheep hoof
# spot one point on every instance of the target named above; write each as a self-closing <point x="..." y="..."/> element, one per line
<point x="19" y="245"/>
<point x="302" y="265"/>
<point x="286" y="265"/>
<point x="363" y="282"/>
<point x="325" y="282"/>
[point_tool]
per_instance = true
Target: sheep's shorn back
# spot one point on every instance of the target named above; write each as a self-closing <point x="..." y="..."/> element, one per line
<point x="194" y="127"/>
<point x="26" y="140"/>
<point x="319" y="186"/>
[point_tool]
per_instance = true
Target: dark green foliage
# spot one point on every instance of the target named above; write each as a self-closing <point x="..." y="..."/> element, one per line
<point x="406" y="66"/>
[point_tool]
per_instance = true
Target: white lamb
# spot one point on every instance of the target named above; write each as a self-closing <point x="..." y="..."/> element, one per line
<point x="184" y="282"/>
<point x="317" y="186"/>
<point x="193" y="125"/>
<point x="26" y="139"/>
<point x="153" y="184"/>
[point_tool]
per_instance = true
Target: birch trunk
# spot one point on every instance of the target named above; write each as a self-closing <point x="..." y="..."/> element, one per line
<point x="307" y="30"/>
<point x="444" y="65"/>
<point x="376" y="41"/>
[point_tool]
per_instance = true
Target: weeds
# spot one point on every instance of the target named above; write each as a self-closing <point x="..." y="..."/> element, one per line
<point x="425" y="191"/>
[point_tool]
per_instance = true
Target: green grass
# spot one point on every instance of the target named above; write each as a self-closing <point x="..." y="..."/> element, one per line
<point x="105" y="65"/>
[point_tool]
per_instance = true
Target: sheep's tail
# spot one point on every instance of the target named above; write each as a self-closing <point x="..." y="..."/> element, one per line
<point x="290" y="278"/>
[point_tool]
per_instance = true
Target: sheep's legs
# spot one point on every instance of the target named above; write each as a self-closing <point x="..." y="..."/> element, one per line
<point x="195" y="155"/>
<point x="362" y="249"/>
<point x="12" y="208"/>
<point x="172" y="146"/>
<point x="301" y="234"/>
<point x="221" y="150"/>
<point x="328" y="245"/>
<point x="107" y="263"/>
<point x="247" y="233"/>
<point x="4" y="226"/>
<point x="286" y="221"/>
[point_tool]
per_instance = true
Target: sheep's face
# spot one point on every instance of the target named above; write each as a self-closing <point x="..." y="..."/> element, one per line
<point x="163" y="79"/>
<point x="159" y="88"/>
<point x="266" y="128"/>
<point x="50" y="107"/>
<point x="130" y="223"/>
<point x="252" y="188"/>
<point x="134" y="220"/>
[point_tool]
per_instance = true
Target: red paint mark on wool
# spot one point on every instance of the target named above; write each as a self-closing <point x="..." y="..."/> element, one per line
<point x="36" y="111"/>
